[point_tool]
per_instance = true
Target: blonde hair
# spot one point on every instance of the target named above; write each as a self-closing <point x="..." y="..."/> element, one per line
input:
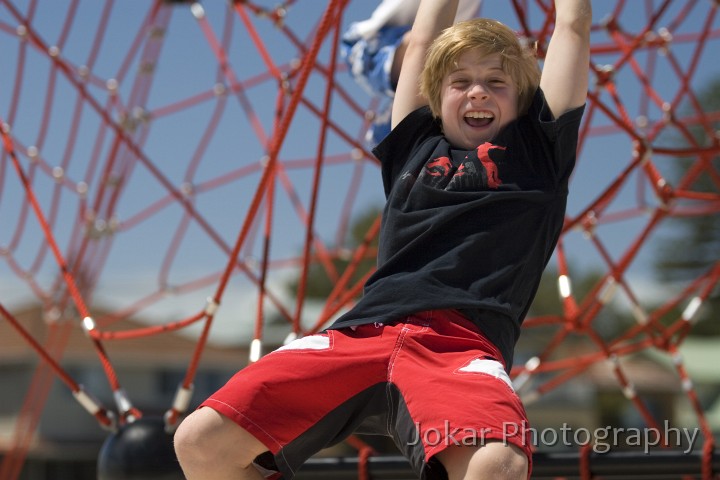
<point x="488" y="37"/>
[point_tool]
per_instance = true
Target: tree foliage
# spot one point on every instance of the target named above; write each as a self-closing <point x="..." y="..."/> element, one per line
<point x="321" y="279"/>
<point x="691" y="244"/>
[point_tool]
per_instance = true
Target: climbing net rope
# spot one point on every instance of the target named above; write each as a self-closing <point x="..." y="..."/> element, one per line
<point x="209" y="152"/>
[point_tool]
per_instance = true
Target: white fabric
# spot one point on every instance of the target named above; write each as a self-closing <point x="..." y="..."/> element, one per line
<point x="489" y="367"/>
<point x="312" y="342"/>
<point x="402" y="12"/>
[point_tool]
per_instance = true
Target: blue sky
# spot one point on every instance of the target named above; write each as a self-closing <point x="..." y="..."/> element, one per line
<point x="130" y="260"/>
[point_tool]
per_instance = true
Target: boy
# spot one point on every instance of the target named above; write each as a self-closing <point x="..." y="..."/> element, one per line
<point x="373" y="50"/>
<point x="476" y="187"/>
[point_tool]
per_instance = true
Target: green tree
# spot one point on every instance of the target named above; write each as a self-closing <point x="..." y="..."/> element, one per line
<point x="321" y="280"/>
<point x="690" y="245"/>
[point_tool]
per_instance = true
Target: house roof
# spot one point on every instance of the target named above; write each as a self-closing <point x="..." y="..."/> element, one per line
<point x="69" y="338"/>
<point x="642" y="373"/>
<point x="700" y="357"/>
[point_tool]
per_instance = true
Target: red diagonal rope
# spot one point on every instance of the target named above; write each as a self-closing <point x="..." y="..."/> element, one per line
<point x="65" y="271"/>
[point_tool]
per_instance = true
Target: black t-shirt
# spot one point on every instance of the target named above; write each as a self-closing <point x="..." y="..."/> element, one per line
<point x="470" y="230"/>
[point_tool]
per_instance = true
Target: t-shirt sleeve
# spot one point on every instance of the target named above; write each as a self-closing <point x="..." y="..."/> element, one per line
<point x="560" y="133"/>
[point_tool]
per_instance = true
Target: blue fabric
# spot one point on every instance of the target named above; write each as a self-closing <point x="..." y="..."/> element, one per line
<point x="369" y="62"/>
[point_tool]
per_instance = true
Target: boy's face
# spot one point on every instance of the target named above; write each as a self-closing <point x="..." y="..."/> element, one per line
<point x="478" y="100"/>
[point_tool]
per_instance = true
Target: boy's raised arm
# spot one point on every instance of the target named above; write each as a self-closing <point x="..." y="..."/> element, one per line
<point x="432" y="17"/>
<point x="564" y="79"/>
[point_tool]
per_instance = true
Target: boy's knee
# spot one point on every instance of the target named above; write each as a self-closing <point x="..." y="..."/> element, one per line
<point x="190" y="442"/>
<point x="205" y="436"/>
<point x="185" y="438"/>
<point x="515" y="464"/>
<point x="496" y="460"/>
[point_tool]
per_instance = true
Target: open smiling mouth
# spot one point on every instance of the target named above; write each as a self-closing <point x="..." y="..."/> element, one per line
<point x="479" y="119"/>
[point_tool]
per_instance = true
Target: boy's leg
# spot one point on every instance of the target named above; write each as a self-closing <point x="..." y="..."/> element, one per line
<point x="274" y="406"/>
<point x="375" y="65"/>
<point x="209" y="445"/>
<point x="495" y="460"/>
<point x="467" y="422"/>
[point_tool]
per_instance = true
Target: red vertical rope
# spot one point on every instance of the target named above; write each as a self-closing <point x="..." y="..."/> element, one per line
<point x="321" y="252"/>
<point x="365" y="451"/>
<point x="279" y="136"/>
<point x="570" y="307"/>
<point x="316" y="182"/>
<point x="585" y="471"/>
<point x="340" y="294"/>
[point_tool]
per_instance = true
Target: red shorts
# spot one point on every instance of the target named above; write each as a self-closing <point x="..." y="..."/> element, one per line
<point x="429" y="382"/>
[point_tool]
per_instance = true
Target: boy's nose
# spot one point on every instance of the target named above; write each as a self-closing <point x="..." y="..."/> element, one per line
<point x="478" y="91"/>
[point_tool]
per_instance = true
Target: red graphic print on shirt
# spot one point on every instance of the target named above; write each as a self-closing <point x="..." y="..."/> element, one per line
<point x="483" y="153"/>
<point x="440" y="167"/>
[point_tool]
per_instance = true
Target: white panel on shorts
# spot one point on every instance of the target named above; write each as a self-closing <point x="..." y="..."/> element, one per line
<point x="312" y="342"/>
<point x="489" y="367"/>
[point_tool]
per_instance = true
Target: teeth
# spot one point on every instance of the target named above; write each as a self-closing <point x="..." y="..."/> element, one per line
<point x="479" y="115"/>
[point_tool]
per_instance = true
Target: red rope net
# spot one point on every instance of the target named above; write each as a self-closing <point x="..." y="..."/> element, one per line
<point x="208" y="154"/>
